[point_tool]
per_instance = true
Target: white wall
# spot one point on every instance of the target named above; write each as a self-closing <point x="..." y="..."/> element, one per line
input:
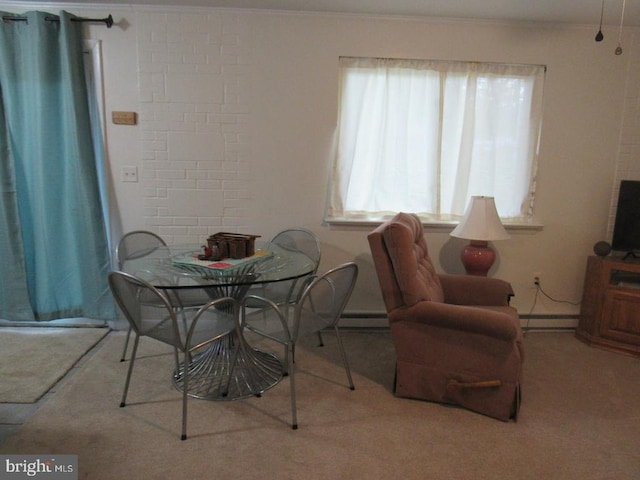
<point x="238" y="109"/>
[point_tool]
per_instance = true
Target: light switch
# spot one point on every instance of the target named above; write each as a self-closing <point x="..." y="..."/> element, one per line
<point x="124" y="118"/>
<point x="129" y="174"/>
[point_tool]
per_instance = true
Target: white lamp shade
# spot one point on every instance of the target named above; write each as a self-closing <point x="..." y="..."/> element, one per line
<point x="481" y="221"/>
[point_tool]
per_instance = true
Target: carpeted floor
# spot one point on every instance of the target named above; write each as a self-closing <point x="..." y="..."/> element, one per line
<point x="580" y="419"/>
<point x="32" y="360"/>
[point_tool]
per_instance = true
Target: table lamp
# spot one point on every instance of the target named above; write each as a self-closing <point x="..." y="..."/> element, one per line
<point x="480" y="225"/>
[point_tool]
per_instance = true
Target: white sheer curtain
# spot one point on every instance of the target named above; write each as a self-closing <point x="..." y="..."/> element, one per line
<point x="425" y="136"/>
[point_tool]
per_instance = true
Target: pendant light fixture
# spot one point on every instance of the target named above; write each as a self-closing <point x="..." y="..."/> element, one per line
<point x="618" y="50"/>
<point x="599" y="35"/>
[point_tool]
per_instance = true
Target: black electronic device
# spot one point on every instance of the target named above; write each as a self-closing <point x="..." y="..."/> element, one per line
<point x="626" y="230"/>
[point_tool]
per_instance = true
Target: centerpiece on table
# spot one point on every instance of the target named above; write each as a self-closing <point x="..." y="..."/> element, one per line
<point x="224" y="245"/>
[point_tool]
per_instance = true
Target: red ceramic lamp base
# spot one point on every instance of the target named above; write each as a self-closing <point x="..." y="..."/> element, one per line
<point x="478" y="257"/>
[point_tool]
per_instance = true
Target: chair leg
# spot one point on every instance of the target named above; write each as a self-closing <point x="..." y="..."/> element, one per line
<point x="126" y="344"/>
<point x="123" y="402"/>
<point x="395" y="379"/>
<point x="321" y="343"/>
<point x="185" y="387"/>
<point x="517" y="399"/>
<point x="344" y="358"/>
<point x="176" y="359"/>
<point x="292" y="384"/>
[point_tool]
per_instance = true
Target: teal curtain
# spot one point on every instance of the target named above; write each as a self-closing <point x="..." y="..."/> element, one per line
<point x="54" y="255"/>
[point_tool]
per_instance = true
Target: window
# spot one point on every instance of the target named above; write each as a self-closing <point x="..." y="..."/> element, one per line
<point x="424" y="136"/>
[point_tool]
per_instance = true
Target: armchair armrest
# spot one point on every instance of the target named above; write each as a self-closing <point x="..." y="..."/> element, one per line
<point x="470" y="319"/>
<point x="474" y="290"/>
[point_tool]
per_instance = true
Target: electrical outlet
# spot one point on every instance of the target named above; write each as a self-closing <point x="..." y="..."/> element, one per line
<point x="129" y="174"/>
<point x="536" y="278"/>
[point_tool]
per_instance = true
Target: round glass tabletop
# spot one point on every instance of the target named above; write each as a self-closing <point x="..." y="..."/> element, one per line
<point x="178" y="266"/>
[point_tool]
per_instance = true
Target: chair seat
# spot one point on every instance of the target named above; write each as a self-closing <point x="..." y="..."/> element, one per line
<point x="278" y="292"/>
<point x="267" y="322"/>
<point x="190" y="297"/>
<point x="211" y="325"/>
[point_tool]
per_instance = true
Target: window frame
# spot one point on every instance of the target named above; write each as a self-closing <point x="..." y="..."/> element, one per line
<point x="438" y="220"/>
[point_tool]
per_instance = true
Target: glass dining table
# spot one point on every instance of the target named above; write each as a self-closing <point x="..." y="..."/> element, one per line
<point x="229" y="368"/>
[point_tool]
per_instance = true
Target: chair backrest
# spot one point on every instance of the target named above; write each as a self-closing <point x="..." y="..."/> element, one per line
<point x="401" y="258"/>
<point x="136" y="244"/>
<point x="324" y="299"/>
<point x="150" y="313"/>
<point x="300" y="240"/>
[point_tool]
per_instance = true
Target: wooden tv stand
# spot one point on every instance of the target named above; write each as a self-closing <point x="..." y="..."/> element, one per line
<point x="610" y="311"/>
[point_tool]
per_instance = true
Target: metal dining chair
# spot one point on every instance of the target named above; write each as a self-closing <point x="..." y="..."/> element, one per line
<point x="295" y="239"/>
<point x="132" y="245"/>
<point x="301" y="240"/>
<point x="319" y="307"/>
<point x="189" y="333"/>
<point x="140" y="243"/>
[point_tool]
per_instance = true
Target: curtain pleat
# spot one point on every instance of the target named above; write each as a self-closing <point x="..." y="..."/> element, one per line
<point x="60" y="231"/>
<point x="14" y="293"/>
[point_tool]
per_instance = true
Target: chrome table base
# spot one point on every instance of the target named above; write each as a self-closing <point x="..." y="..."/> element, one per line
<point x="229" y="369"/>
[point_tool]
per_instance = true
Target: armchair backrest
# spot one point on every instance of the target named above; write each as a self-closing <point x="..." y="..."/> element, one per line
<point x="402" y="262"/>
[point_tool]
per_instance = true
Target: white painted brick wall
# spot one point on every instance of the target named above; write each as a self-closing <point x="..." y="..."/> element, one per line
<point x="194" y="174"/>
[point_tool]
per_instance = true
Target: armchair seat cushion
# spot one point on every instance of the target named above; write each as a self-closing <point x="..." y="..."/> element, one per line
<point x="474" y="290"/>
<point x="499" y="322"/>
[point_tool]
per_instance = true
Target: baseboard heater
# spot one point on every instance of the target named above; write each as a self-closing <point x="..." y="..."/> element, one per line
<point x="549" y="321"/>
<point x="538" y="321"/>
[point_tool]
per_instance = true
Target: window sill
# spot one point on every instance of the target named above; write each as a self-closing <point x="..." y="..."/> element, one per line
<point x="431" y="225"/>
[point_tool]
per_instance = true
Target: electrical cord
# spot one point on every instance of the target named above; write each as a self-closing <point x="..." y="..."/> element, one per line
<point x="533" y="305"/>
<point x="539" y="290"/>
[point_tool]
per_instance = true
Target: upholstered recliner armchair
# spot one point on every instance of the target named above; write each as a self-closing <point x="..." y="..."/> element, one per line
<point x="457" y="340"/>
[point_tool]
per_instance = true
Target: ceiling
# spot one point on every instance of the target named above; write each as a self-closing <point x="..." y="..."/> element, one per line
<point x="585" y="12"/>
